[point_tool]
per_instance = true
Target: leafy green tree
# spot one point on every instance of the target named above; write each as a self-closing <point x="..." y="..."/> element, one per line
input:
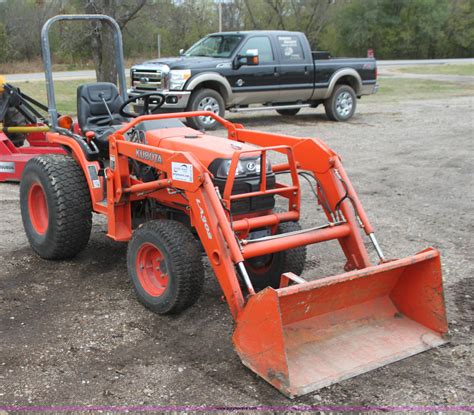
<point x="458" y="30"/>
<point x="401" y="29"/>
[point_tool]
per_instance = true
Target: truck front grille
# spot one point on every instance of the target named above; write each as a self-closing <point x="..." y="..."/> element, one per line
<point x="146" y="80"/>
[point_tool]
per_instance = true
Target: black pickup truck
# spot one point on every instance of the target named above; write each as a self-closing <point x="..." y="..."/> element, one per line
<point x="275" y="69"/>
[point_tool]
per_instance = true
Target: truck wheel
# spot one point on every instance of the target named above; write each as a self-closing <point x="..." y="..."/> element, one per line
<point x="165" y="266"/>
<point x="205" y="100"/>
<point x="55" y="206"/>
<point x="265" y="271"/>
<point x="289" y="112"/>
<point x="341" y="105"/>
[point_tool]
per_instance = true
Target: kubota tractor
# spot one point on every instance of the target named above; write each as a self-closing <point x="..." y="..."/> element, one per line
<point x="173" y="192"/>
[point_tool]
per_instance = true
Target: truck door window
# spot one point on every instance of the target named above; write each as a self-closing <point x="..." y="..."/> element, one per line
<point x="290" y="49"/>
<point x="263" y="45"/>
<point x="218" y="46"/>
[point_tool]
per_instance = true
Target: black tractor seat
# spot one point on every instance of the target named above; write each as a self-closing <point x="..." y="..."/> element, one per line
<point x="92" y="113"/>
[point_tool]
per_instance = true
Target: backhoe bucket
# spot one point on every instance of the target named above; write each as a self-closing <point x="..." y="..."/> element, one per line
<point x="308" y="336"/>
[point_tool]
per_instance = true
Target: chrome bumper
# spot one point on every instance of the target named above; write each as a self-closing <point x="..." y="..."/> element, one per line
<point x="181" y="98"/>
<point x="368" y="89"/>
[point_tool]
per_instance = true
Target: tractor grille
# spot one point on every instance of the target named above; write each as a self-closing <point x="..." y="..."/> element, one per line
<point x="247" y="185"/>
<point x="147" y="79"/>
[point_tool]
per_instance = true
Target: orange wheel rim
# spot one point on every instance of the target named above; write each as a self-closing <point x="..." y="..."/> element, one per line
<point x="38" y="208"/>
<point x="151" y="270"/>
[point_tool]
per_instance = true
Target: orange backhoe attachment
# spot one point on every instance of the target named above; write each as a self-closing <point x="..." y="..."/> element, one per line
<point x="304" y="337"/>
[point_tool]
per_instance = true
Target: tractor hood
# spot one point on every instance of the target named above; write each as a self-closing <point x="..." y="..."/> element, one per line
<point x="205" y="147"/>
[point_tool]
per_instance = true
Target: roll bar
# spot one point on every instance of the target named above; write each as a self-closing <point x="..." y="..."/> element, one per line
<point x="46" y="52"/>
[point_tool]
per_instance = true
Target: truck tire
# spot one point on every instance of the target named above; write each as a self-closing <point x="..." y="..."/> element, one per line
<point x="341" y="105"/>
<point x="289" y="112"/>
<point x="265" y="271"/>
<point x="165" y="267"/>
<point x="205" y="100"/>
<point x="55" y="206"/>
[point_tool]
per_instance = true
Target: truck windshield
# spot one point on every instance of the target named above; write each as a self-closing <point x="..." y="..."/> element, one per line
<point x="217" y="46"/>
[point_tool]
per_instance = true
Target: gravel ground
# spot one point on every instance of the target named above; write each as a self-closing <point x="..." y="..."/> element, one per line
<point x="72" y="332"/>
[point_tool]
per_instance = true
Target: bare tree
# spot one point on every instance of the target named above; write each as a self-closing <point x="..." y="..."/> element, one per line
<point x="101" y="36"/>
<point x="278" y="7"/>
<point x="255" y="25"/>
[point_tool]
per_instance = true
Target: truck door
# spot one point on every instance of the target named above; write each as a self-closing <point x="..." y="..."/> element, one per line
<point x="296" y="68"/>
<point x="256" y="84"/>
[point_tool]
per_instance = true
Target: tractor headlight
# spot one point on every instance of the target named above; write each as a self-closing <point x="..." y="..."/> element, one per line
<point x="245" y="167"/>
<point x="178" y="78"/>
<point x="223" y="170"/>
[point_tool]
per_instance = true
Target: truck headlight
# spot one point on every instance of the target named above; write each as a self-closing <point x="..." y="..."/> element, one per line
<point x="245" y="167"/>
<point x="178" y="78"/>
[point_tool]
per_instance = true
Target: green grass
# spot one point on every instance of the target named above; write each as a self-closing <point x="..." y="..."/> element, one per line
<point x="65" y="92"/>
<point x="447" y="69"/>
<point x="397" y="89"/>
<point x="391" y="89"/>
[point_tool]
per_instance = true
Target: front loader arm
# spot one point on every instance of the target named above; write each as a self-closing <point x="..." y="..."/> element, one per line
<point x="315" y="156"/>
<point x="218" y="240"/>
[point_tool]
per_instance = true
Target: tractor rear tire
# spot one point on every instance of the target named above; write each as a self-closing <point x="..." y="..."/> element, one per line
<point x="55" y="206"/>
<point x="291" y="260"/>
<point x="165" y="266"/>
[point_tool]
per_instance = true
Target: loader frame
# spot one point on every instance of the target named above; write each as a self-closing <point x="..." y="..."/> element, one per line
<point x="209" y="211"/>
<point x="366" y="318"/>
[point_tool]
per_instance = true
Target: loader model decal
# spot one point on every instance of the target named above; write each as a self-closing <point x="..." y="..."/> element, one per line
<point x="148" y="155"/>
<point x="7" y="167"/>
<point x="204" y="219"/>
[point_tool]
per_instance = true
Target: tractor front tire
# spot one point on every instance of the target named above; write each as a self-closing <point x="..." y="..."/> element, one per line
<point x="165" y="266"/>
<point x="266" y="271"/>
<point x="55" y="206"/>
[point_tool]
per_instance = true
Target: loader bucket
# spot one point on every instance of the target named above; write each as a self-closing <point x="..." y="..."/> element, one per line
<point x="308" y="336"/>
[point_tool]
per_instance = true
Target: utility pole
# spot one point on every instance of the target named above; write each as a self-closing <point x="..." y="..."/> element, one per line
<point x="158" y="39"/>
<point x="220" y="15"/>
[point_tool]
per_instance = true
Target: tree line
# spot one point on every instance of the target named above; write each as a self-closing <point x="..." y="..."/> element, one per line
<point x="395" y="29"/>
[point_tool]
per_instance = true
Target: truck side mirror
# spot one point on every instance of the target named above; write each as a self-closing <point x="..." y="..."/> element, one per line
<point x="181" y="52"/>
<point x="249" y="58"/>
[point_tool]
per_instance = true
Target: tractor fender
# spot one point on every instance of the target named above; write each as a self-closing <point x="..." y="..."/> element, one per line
<point x="211" y="80"/>
<point x="89" y="166"/>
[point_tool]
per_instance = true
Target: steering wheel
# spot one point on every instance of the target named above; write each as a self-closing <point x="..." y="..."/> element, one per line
<point x="148" y="98"/>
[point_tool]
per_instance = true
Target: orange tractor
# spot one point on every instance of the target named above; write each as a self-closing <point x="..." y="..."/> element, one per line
<point x="173" y="193"/>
